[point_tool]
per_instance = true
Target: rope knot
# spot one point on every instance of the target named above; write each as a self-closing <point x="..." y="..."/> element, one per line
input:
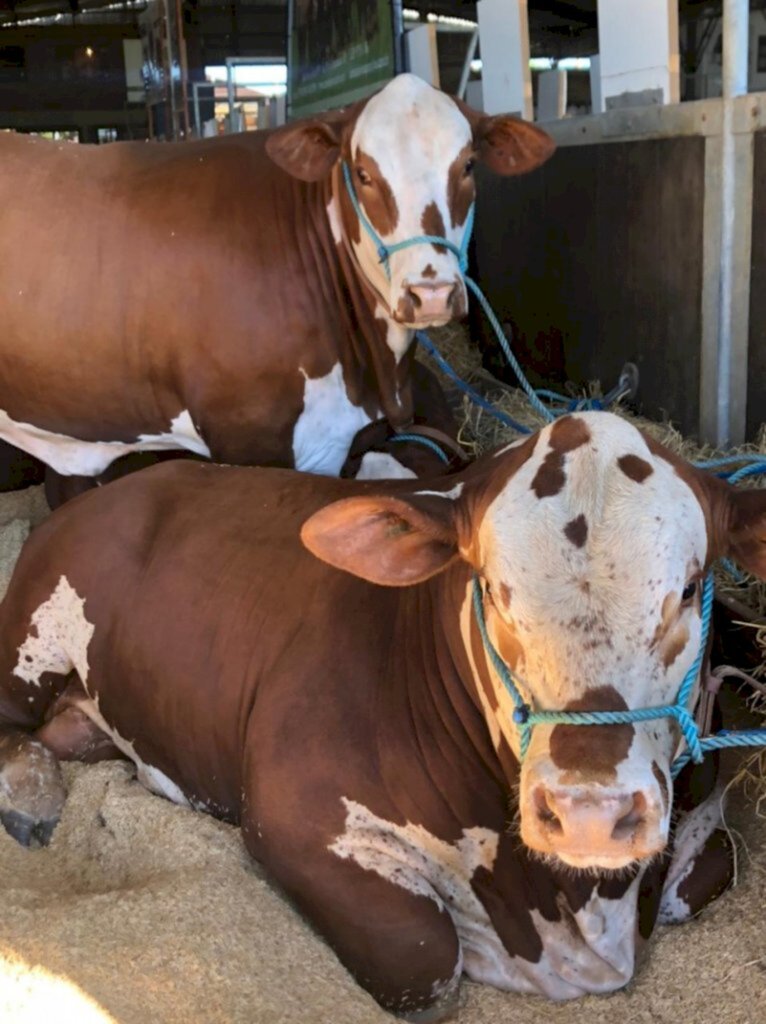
<point x="521" y="714"/>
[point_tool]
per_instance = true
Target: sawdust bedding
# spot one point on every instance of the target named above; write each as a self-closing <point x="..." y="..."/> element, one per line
<point x="141" y="912"/>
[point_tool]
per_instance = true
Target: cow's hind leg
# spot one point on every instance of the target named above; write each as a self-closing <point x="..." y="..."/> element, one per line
<point x="43" y="640"/>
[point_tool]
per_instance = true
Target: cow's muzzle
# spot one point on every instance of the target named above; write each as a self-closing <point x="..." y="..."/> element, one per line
<point x="592" y="826"/>
<point x="431" y="304"/>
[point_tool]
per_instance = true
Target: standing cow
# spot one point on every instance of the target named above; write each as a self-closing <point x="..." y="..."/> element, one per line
<point x="221" y="296"/>
<point x="352" y="721"/>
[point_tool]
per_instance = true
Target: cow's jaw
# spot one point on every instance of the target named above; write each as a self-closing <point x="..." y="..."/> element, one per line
<point x="587" y="549"/>
<point x="412" y="139"/>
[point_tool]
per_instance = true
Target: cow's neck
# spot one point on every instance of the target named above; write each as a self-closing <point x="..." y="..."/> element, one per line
<point x="377" y="352"/>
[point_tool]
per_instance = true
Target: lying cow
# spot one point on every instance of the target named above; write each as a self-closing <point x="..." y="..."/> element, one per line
<point x="221" y="296"/>
<point x="351" y="721"/>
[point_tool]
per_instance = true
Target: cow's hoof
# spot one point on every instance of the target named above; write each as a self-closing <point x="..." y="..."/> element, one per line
<point x="26" y="830"/>
<point x="446" y="1009"/>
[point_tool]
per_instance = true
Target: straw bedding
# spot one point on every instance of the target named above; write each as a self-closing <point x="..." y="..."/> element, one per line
<point x="141" y="912"/>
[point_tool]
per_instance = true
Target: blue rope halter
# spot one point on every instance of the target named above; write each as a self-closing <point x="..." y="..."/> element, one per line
<point x="427" y="442"/>
<point x="385" y="252"/>
<point x="697" y="746"/>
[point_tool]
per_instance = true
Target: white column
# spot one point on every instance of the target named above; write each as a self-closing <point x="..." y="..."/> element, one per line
<point x="504" y="44"/>
<point x="422" y="55"/>
<point x="638" y="47"/>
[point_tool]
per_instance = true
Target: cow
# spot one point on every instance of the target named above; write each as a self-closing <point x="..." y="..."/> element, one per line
<point x="298" y="655"/>
<point x="221" y="296"/>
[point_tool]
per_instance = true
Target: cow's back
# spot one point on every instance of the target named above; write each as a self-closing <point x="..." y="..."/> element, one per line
<point x="140" y="279"/>
<point x="199" y="602"/>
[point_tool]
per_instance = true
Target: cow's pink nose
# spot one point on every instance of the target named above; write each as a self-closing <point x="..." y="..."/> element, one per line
<point x="432" y="300"/>
<point x="591" y="827"/>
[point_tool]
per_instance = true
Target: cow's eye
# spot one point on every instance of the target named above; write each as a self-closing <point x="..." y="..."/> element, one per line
<point x="469" y="166"/>
<point x="363" y="176"/>
<point x="689" y="591"/>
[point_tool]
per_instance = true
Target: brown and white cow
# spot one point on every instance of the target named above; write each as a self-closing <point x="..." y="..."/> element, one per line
<point x="220" y="296"/>
<point x="350" y="721"/>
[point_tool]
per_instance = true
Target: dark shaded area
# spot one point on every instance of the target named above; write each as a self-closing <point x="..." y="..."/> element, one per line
<point x="17" y="469"/>
<point x="596" y="260"/>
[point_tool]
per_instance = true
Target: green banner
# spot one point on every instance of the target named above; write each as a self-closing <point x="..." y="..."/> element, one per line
<point x="339" y="51"/>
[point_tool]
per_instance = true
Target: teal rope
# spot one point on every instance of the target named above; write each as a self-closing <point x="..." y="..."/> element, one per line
<point x="425" y="441"/>
<point x="526" y="718"/>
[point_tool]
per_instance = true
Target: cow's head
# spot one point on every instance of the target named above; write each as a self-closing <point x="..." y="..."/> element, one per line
<point x="591" y="543"/>
<point x="411" y="150"/>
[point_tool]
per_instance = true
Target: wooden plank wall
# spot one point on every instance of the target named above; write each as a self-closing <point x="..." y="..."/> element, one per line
<point x="596" y="260"/>
<point x="756" y="389"/>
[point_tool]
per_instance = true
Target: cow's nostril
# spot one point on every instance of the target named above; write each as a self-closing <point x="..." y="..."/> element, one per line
<point x="546" y="815"/>
<point x="629" y="822"/>
<point x="417" y="302"/>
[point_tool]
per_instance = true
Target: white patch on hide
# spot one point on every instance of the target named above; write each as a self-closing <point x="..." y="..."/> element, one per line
<point x="451" y="495"/>
<point x="333" y="217"/>
<point x="72" y="457"/>
<point x="591" y="951"/>
<point x="380" y="466"/>
<point x="62" y="637"/>
<point x="154" y="780"/>
<point x="328" y="424"/>
<point x="398" y="338"/>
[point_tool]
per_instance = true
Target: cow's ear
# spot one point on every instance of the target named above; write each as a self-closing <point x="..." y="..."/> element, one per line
<point x="507" y="145"/>
<point x="384" y="540"/>
<point x="306" y="150"/>
<point x="745" y="530"/>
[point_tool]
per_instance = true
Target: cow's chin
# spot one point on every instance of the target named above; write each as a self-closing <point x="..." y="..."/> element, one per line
<point x="595" y="863"/>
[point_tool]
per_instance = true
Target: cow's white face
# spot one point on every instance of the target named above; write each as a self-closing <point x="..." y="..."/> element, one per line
<point x="592" y="557"/>
<point x="591" y="544"/>
<point x="411" y="160"/>
<point x="411" y="151"/>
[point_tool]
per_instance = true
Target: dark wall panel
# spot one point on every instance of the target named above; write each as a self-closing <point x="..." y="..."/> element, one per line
<point x="596" y="260"/>
<point x="756" y="370"/>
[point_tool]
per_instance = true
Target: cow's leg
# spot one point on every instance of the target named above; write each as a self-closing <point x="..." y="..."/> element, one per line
<point x="42" y="633"/>
<point x="702" y="863"/>
<point x="399" y="943"/>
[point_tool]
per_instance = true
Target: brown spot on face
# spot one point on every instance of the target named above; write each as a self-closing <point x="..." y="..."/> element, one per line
<point x="567" y="434"/>
<point x="461" y="190"/>
<point x="550" y="477"/>
<point x="670" y="636"/>
<point x="636" y="468"/>
<point x="505" y="594"/>
<point x="432" y="223"/>
<point x="662" y="782"/>
<point x="509" y="647"/>
<point x="376" y="198"/>
<point x="595" y="749"/>
<point x="428" y="271"/>
<point x="576" y="530"/>
<point x="675" y="643"/>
